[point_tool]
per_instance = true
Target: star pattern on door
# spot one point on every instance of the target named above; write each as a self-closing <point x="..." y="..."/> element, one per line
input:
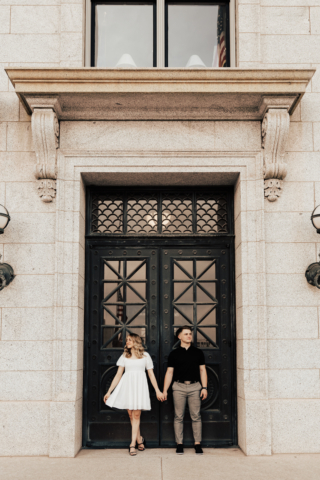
<point x="194" y="300"/>
<point x="125" y="301"/>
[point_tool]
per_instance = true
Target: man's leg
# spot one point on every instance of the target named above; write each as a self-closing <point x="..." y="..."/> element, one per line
<point x="179" y="401"/>
<point x="194" y="402"/>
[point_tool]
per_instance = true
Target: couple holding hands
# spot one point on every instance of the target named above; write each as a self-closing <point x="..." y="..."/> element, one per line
<point x="129" y="388"/>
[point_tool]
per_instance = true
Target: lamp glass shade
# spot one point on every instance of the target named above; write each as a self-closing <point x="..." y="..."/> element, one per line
<point x="315" y="217"/>
<point x="4" y="217"/>
<point x="195" y="62"/>
<point x="126" y="61"/>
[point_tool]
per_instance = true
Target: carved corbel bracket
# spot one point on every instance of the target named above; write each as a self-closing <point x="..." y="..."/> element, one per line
<point x="45" y="134"/>
<point x="275" y="129"/>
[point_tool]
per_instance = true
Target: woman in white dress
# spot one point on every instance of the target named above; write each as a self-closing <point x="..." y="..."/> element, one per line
<point x="130" y="390"/>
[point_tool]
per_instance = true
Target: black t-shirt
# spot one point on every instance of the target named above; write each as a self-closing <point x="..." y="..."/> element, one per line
<point x="186" y="363"/>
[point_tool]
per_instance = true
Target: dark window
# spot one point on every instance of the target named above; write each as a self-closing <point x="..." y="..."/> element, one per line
<point x="197" y="34"/>
<point x="123" y="34"/>
<point x="182" y="211"/>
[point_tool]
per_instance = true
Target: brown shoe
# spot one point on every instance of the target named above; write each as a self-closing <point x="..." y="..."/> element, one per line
<point x="142" y="444"/>
<point x="132" y="453"/>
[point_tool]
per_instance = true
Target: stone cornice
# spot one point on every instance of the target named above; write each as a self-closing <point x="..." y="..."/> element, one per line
<point x="160" y="94"/>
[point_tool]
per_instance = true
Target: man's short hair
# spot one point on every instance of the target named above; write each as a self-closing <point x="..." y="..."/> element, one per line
<point x="185" y="327"/>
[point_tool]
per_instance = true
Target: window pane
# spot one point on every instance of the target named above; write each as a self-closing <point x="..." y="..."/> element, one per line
<point x="124" y="30"/>
<point x="142" y="215"/>
<point x="176" y="213"/>
<point x="197" y="35"/>
<point x="212" y="214"/>
<point x="207" y="338"/>
<point x="107" y="214"/>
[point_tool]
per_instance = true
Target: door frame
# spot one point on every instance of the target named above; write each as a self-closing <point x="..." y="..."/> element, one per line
<point x="223" y="240"/>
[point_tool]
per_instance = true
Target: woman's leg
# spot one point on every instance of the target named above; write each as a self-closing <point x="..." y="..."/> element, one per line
<point x="139" y="437"/>
<point x="132" y="448"/>
<point x="135" y="426"/>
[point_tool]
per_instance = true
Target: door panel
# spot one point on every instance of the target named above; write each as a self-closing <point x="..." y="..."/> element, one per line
<point x="153" y="291"/>
<point x="123" y="299"/>
<point x="195" y="291"/>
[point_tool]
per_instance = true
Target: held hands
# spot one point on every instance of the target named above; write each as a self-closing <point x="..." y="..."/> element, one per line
<point x="160" y="396"/>
<point x="203" y="394"/>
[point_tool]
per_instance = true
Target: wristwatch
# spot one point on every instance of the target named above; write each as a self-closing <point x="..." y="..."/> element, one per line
<point x="204" y="388"/>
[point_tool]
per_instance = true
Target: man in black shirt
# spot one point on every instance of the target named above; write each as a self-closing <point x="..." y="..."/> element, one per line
<point x="186" y="367"/>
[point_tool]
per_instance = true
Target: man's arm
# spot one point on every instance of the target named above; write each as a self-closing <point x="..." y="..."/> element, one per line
<point x="204" y="381"/>
<point x="167" y="381"/>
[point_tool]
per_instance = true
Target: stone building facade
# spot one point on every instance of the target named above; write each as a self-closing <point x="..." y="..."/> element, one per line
<point x="51" y="118"/>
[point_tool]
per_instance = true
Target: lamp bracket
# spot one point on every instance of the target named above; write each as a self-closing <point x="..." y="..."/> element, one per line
<point x="6" y="275"/>
<point x="313" y="274"/>
<point x="275" y="130"/>
<point x="45" y="134"/>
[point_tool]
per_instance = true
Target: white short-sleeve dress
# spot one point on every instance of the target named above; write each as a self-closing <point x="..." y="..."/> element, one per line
<point x="132" y="392"/>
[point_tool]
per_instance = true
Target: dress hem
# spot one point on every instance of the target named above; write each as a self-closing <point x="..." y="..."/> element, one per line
<point x="129" y="408"/>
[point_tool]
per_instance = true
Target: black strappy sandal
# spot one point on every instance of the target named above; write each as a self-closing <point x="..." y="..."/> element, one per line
<point x="142" y="443"/>
<point x="132" y="454"/>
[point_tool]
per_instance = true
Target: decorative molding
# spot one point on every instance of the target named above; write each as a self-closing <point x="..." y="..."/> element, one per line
<point x="45" y="134"/>
<point x="160" y="93"/>
<point x="275" y="130"/>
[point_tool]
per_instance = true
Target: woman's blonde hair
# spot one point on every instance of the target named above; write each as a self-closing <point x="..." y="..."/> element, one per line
<point x="137" y="347"/>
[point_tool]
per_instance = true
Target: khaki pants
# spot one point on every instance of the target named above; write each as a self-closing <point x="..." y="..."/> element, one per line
<point x="182" y="392"/>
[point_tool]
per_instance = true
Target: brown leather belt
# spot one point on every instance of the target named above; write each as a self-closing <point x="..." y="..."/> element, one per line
<point x="187" y="382"/>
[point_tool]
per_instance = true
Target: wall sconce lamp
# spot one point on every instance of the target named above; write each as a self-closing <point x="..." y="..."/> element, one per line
<point x="315" y="218"/>
<point x="4" y="218"/>
<point x="313" y="271"/>
<point x="6" y="271"/>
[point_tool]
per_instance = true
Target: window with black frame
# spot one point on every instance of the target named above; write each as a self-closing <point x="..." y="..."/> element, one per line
<point x="123" y="34"/>
<point x="197" y="34"/>
<point x="186" y="34"/>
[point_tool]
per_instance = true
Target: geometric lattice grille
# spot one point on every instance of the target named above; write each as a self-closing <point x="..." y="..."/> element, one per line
<point x="177" y="213"/>
<point x="107" y="214"/>
<point x="124" y="301"/>
<point x="142" y="214"/>
<point x="212" y="214"/>
<point x="160" y="212"/>
<point x="195" y="299"/>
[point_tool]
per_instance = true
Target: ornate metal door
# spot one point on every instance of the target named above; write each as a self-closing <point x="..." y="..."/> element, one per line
<point x="195" y="291"/>
<point x="150" y="277"/>
<point x="123" y="299"/>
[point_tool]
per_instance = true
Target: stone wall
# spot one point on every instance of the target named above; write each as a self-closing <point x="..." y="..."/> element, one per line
<point x="37" y="33"/>
<point x="286" y="33"/>
<point x="278" y="345"/>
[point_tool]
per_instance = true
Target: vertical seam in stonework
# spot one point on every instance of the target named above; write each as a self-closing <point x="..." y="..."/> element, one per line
<point x="309" y="9"/>
<point x="277" y="139"/>
<point x="43" y="137"/>
<point x="161" y="468"/>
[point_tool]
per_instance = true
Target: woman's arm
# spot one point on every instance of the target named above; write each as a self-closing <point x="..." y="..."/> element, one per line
<point x="167" y="381"/>
<point x="154" y="382"/>
<point x="114" y="383"/>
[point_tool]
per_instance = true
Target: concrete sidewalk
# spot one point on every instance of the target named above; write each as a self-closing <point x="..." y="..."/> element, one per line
<point x="162" y="464"/>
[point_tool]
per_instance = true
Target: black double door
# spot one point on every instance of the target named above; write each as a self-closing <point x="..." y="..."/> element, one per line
<point x="152" y="288"/>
